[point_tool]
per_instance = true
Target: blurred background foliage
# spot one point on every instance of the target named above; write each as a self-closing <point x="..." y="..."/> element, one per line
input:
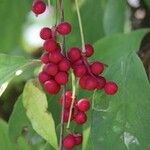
<point x="104" y="25"/>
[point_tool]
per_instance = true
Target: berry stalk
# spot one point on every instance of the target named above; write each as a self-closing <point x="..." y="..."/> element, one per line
<point x="61" y="4"/>
<point x="73" y="99"/>
<point x="80" y="26"/>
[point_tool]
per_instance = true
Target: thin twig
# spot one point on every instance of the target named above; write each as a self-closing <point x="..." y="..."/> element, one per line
<point x="80" y="26"/>
<point x="73" y="99"/>
<point x="64" y="87"/>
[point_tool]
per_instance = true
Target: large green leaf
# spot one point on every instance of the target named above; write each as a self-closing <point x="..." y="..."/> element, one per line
<point x="123" y="122"/>
<point x="12" y="16"/>
<point x="18" y="120"/>
<point x="92" y="19"/>
<point x="114" y="16"/>
<point x="10" y="66"/>
<point x="5" y="142"/>
<point x="35" y="103"/>
<point x="113" y="48"/>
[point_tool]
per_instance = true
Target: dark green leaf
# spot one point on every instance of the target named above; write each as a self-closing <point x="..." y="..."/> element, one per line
<point x="18" y="120"/>
<point x="124" y="122"/>
<point x="12" y="15"/>
<point x="114" y="16"/>
<point x="5" y="142"/>
<point x="113" y="48"/>
<point x="92" y="19"/>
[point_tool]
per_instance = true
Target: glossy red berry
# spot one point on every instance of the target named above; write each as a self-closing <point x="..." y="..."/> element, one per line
<point x="83" y="80"/>
<point x="69" y="141"/>
<point x="74" y="54"/>
<point x="46" y="33"/>
<point x="78" y="138"/>
<point x="38" y="7"/>
<point x="97" y="68"/>
<point x="43" y="77"/>
<point x="66" y="115"/>
<point x="64" y="65"/>
<point x="45" y="58"/>
<point x="68" y="99"/>
<point x="55" y="57"/>
<point x="64" y="28"/>
<point x="90" y="83"/>
<point x="80" y="70"/>
<point x="89" y="50"/>
<point x="77" y="63"/>
<point x="110" y="88"/>
<point x="80" y="118"/>
<point x="68" y="94"/>
<point x="61" y="77"/>
<point x="50" y="45"/>
<point x="83" y="104"/>
<point x="101" y="81"/>
<point x="51" y="86"/>
<point x="51" y="69"/>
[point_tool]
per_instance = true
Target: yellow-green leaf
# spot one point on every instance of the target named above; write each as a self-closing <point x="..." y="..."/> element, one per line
<point x="35" y="103"/>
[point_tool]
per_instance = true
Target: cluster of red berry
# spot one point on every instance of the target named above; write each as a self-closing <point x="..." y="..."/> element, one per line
<point x="71" y="140"/>
<point x="80" y="108"/>
<point x="78" y="115"/>
<point x="56" y="68"/>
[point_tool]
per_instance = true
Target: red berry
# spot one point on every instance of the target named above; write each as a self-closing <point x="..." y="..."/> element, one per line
<point x="43" y="77"/>
<point x="77" y="63"/>
<point x="45" y="58"/>
<point x="68" y="94"/>
<point x="110" y="88"/>
<point x="46" y="33"/>
<point x="38" y="7"/>
<point x="80" y="70"/>
<point x="69" y="141"/>
<point x="97" y="68"/>
<point x="74" y="54"/>
<point x="51" y="86"/>
<point x="64" y="65"/>
<point x="88" y="82"/>
<point x="78" y="138"/>
<point x="64" y="28"/>
<point x="66" y="115"/>
<point x="83" y="80"/>
<point x="68" y="99"/>
<point x="61" y="77"/>
<point x="50" y="45"/>
<point x="51" y="69"/>
<point x="89" y="50"/>
<point x="101" y="82"/>
<point x="80" y="118"/>
<point x="83" y="104"/>
<point x="55" y="57"/>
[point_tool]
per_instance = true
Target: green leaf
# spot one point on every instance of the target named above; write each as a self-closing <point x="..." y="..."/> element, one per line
<point x="114" y="16"/>
<point x="18" y="120"/>
<point x="113" y="48"/>
<point x="35" y="103"/>
<point x="6" y="143"/>
<point x="123" y="123"/>
<point x="9" y="67"/>
<point x="92" y="20"/>
<point x="12" y="22"/>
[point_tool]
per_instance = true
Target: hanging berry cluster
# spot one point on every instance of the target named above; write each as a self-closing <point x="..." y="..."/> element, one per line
<point x="55" y="73"/>
<point x="78" y="115"/>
